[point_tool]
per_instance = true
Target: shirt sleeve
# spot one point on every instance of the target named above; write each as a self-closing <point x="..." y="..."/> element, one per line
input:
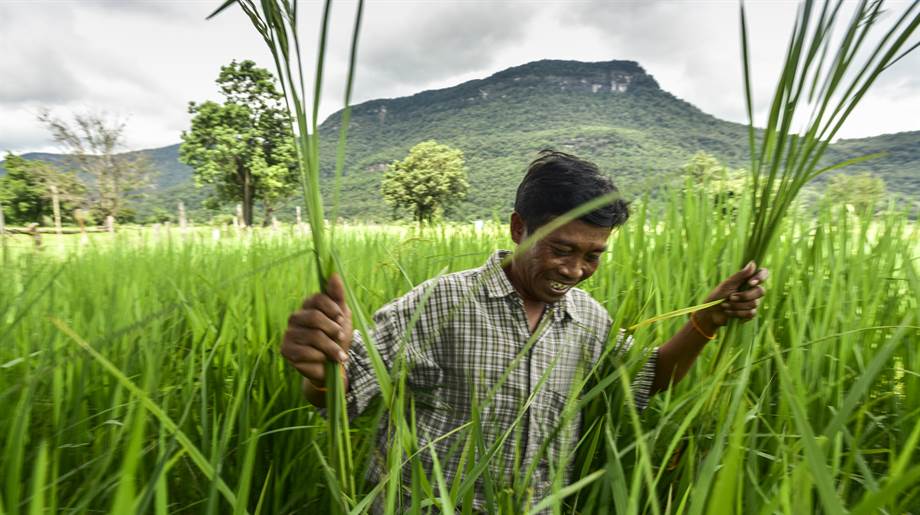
<point x="390" y="337"/>
<point x="642" y="383"/>
<point x="362" y="380"/>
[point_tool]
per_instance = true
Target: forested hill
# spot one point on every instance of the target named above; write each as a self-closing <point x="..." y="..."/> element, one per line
<point x="611" y="112"/>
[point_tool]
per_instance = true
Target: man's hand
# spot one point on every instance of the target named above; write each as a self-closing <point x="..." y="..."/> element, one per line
<point x="677" y="355"/>
<point x="321" y="330"/>
<point x="738" y="303"/>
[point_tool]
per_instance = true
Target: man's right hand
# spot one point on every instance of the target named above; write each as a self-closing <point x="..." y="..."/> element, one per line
<point x="321" y="330"/>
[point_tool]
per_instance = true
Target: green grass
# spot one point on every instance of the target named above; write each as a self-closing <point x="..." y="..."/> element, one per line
<point x="142" y="373"/>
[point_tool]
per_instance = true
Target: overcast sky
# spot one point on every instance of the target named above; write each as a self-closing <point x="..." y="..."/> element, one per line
<point x="143" y="61"/>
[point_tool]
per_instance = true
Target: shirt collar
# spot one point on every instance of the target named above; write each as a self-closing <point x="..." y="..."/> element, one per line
<point x="496" y="282"/>
<point x="498" y="285"/>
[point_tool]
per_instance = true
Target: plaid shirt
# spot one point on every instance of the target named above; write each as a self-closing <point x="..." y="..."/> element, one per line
<point x="470" y="331"/>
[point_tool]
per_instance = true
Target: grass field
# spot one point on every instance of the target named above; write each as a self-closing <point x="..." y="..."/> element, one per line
<point x="140" y="372"/>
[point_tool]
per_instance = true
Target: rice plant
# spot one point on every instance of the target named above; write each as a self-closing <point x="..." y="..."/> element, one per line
<point x="186" y="328"/>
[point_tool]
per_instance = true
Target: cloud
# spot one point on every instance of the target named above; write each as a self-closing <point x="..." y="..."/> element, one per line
<point x="38" y="75"/>
<point x="693" y="49"/>
<point x="412" y="45"/>
<point x="31" y="68"/>
<point x="904" y="72"/>
<point x="71" y="55"/>
<point x="20" y="132"/>
<point x="145" y="60"/>
<point x="89" y="57"/>
<point x="166" y="9"/>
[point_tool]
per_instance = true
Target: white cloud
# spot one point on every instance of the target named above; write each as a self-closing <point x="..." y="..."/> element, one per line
<point x="145" y="60"/>
<point x="19" y="132"/>
<point x="30" y="69"/>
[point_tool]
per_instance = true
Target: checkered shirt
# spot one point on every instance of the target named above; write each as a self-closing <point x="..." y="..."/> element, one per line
<point x="470" y="331"/>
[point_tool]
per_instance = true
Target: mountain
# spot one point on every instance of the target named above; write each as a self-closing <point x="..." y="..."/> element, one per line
<point x="613" y="113"/>
<point x="899" y="165"/>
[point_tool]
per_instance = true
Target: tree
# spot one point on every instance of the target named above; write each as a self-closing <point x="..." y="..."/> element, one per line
<point x="721" y="183"/>
<point x="26" y="189"/>
<point x="430" y="179"/>
<point x="21" y="194"/>
<point x="864" y="191"/>
<point x="245" y="146"/>
<point x="703" y="167"/>
<point x="95" y="146"/>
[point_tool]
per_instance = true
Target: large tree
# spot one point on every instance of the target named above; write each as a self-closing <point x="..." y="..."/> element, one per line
<point x="427" y="181"/>
<point x="95" y="147"/>
<point x="26" y="189"/>
<point x="244" y="147"/>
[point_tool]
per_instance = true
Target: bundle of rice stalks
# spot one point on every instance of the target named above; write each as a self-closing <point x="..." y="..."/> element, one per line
<point x="825" y="75"/>
<point x="276" y="21"/>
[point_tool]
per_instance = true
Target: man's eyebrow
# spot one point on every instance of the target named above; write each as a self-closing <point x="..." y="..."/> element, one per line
<point x="555" y="240"/>
<point x="566" y="243"/>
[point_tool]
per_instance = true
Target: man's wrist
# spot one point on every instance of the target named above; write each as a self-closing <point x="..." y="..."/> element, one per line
<point x="704" y="325"/>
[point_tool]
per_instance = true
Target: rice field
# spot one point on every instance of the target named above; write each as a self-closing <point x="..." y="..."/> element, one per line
<point x="139" y="372"/>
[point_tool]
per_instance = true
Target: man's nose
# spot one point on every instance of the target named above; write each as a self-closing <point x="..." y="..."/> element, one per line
<point x="572" y="270"/>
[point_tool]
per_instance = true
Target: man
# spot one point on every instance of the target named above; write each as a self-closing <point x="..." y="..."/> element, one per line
<point x="515" y="335"/>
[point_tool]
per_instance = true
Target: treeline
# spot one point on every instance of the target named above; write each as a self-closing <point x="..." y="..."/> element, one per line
<point x="642" y="136"/>
<point x="26" y="191"/>
<point x="94" y="181"/>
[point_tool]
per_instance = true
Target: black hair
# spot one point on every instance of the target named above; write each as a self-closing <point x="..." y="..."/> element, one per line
<point x="556" y="183"/>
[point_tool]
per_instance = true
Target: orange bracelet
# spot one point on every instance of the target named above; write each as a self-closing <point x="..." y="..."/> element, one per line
<point x="696" y="326"/>
<point x="325" y="389"/>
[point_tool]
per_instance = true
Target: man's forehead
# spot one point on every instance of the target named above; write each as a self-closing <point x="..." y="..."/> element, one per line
<point x="581" y="233"/>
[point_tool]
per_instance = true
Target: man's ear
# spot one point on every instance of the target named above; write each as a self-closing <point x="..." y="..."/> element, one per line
<point x="518" y="228"/>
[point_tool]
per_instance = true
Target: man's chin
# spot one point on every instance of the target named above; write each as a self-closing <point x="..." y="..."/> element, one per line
<point x="551" y="296"/>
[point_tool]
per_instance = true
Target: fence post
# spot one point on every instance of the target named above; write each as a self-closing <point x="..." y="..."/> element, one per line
<point x="32" y="228"/>
<point x="56" y="208"/>
<point x="110" y="223"/>
<point x="182" y="221"/>
<point x="79" y="217"/>
<point x="2" y="234"/>
<point x="300" y="227"/>
<point x="239" y="215"/>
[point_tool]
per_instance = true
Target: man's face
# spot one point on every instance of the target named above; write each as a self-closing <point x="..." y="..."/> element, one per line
<point x="564" y="258"/>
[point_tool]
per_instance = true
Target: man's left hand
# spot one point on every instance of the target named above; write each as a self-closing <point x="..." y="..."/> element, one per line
<point x="738" y="303"/>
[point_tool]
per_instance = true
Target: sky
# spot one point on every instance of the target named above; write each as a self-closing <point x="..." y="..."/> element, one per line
<point x="141" y="62"/>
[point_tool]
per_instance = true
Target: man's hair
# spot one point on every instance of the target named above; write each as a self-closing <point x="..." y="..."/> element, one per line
<point x="556" y="183"/>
